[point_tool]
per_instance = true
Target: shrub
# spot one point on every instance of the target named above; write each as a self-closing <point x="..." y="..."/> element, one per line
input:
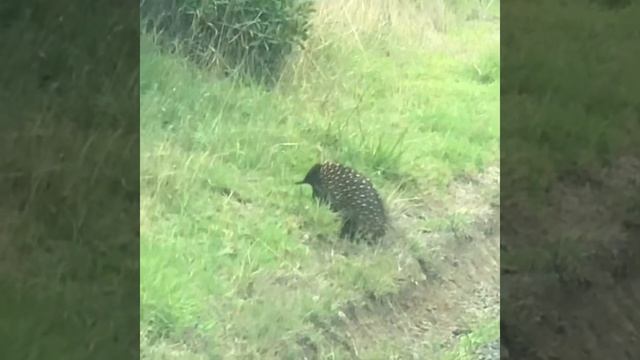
<point x="251" y="37"/>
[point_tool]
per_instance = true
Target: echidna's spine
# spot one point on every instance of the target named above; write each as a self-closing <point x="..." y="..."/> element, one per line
<point x="353" y="196"/>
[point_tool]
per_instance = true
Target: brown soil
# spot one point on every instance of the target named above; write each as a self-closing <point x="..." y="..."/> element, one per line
<point x="584" y="305"/>
<point x="461" y="285"/>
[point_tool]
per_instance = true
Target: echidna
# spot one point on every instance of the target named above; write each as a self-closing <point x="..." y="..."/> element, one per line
<point x="353" y="196"/>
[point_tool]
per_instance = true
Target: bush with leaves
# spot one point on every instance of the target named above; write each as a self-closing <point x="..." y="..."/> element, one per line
<point x="252" y="37"/>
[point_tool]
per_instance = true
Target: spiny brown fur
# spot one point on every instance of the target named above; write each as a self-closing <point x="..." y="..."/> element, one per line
<point x="353" y="196"/>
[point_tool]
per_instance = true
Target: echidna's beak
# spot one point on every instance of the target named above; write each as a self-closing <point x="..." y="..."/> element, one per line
<point x="300" y="182"/>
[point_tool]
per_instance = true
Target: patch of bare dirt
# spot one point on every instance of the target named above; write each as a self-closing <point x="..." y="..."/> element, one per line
<point x="585" y="305"/>
<point x="461" y="284"/>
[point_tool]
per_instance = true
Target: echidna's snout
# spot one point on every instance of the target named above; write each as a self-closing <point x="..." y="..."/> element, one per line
<point x="312" y="177"/>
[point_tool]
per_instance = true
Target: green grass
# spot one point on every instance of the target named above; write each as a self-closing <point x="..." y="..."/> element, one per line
<point x="234" y="257"/>
<point x="572" y="107"/>
<point x="579" y="108"/>
<point x="68" y="229"/>
<point x="469" y="344"/>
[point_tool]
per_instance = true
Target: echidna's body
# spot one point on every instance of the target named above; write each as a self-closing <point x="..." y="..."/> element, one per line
<point x="353" y="196"/>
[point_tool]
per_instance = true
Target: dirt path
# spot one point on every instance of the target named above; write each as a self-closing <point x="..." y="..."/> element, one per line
<point x="461" y="285"/>
<point x="582" y="303"/>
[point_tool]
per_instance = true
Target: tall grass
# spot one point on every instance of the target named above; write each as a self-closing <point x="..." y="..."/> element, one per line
<point x="68" y="180"/>
<point x="579" y="114"/>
